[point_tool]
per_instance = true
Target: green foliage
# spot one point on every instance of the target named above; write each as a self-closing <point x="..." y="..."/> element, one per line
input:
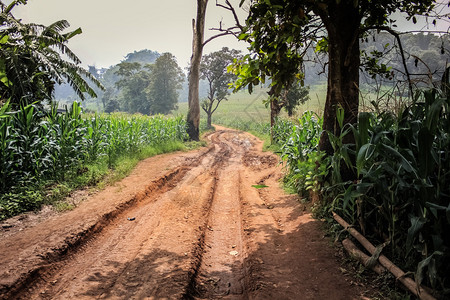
<point x="280" y="31"/>
<point x="148" y="90"/>
<point x="31" y="60"/>
<point x="403" y="169"/>
<point x="37" y="148"/>
<point x="401" y="191"/>
<point x="295" y="96"/>
<point x="213" y="69"/>
<point x="166" y="79"/>
<point x="133" y="81"/>
<point x="14" y="203"/>
<point x="306" y="166"/>
<point x="143" y="56"/>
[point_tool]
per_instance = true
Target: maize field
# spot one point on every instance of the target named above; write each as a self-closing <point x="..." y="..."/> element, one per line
<point x="38" y="147"/>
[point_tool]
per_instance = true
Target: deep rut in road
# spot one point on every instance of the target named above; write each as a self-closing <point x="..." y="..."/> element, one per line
<point x="183" y="226"/>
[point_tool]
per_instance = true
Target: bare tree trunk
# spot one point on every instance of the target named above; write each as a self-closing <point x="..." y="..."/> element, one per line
<point x="198" y="27"/>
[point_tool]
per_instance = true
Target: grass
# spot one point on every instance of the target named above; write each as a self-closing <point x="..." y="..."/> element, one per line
<point x="245" y="107"/>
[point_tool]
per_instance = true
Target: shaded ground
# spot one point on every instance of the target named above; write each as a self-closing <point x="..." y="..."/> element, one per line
<point x="181" y="226"/>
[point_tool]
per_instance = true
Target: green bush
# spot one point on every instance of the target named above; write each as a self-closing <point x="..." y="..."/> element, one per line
<point x="14" y="203"/>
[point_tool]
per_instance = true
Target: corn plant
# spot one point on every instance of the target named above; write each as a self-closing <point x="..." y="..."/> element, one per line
<point x="305" y="165"/>
<point x="402" y="192"/>
<point x="39" y="147"/>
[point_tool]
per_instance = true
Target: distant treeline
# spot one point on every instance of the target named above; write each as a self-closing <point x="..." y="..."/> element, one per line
<point x="109" y="78"/>
<point x="425" y="55"/>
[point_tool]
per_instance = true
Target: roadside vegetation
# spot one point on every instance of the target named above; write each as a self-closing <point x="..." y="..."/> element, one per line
<point x="47" y="154"/>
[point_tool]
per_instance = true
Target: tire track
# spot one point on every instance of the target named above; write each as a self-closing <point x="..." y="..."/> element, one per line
<point x="41" y="280"/>
<point x="221" y="272"/>
<point x="199" y="231"/>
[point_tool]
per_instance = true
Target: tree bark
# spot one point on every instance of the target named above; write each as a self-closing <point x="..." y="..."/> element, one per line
<point x="343" y="25"/>
<point x="275" y="109"/>
<point x="209" y="122"/>
<point x="198" y="26"/>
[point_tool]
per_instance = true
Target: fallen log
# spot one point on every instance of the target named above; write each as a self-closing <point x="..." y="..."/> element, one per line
<point x="385" y="262"/>
<point x="363" y="258"/>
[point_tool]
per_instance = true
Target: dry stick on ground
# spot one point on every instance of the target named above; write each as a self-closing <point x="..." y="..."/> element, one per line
<point x="361" y="256"/>
<point x="396" y="271"/>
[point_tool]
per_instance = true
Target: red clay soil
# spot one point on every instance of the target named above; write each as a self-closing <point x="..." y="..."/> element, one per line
<point x="181" y="226"/>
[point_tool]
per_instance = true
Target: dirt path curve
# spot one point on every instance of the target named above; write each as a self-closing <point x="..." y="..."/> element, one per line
<point x="181" y="226"/>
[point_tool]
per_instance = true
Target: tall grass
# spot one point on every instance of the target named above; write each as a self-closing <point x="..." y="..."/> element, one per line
<point x="39" y="148"/>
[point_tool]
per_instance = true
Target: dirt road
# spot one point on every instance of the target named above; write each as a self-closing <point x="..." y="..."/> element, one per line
<point x="181" y="226"/>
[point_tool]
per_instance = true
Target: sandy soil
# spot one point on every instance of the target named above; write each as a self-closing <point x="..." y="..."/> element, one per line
<point x="181" y="226"/>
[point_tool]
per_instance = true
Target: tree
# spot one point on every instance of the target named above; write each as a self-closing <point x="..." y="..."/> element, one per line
<point x="150" y="89"/>
<point x="280" y="32"/>
<point x="213" y="69"/>
<point x="133" y="81"/>
<point x="107" y="96"/>
<point x="198" y="28"/>
<point x="165" y="81"/>
<point x="144" y="56"/>
<point x="32" y="60"/>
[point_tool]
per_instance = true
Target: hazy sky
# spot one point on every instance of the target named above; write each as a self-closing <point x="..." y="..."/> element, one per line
<point x="114" y="28"/>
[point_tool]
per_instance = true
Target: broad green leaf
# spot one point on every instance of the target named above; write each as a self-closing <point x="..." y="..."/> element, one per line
<point x="4" y="39"/>
<point x="362" y="157"/>
<point x="73" y="33"/>
<point x="363" y="127"/>
<point x="404" y="162"/>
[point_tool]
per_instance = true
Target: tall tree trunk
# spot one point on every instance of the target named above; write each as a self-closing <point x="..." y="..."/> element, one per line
<point x="209" y="122"/>
<point x="275" y="109"/>
<point x="343" y="69"/>
<point x="198" y="27"/>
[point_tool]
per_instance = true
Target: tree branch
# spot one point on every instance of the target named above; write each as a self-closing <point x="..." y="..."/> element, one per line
<point x="233" y="11"/>
<point x="402" y="52"/>
<point x="224" y="32"/>
<point x="229" y="30"/>
<point x="217" y="105"/>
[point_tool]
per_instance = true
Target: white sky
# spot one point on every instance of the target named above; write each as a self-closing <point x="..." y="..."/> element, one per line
<point x="114" y="28"/>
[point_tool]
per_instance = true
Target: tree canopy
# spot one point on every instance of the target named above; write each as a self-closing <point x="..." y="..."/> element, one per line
<point x="133" y="81"/>
<point x="149" y="89"/>
<point x="279" y="33"/>
<point x="165" y="81"/>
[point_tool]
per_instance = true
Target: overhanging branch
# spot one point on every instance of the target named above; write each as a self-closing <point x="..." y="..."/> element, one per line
<point x="396" y="35"/>
<point x="233" y="30"/>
